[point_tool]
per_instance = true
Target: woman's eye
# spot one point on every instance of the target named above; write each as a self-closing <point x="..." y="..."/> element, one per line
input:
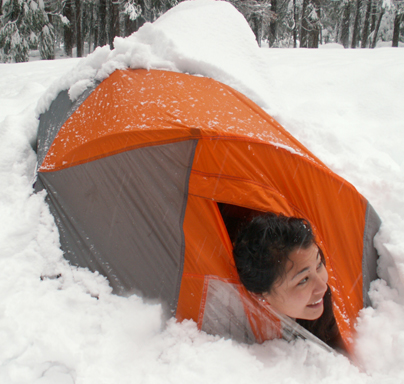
<point x="320" y="264"/>
<point x="301" y="282"/>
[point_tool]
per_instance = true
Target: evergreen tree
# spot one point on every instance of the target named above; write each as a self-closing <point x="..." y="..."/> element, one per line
<point x="281" y="30"/>
<point x="22" y="27"/>
<point x="311" y="24"/>
<point x="15" y="33"/>
<point x="378" y="23"/>
<point x="132" y="17"/>
<point x="366" y="24"/>
<point x="46" y="43"/>
<point x="32" y="24"/>
<point x="78" y="24"/>
<point x="346" y="12"/>
<point x="90" y="27"/>
<point x="113" y="22"/>
<point x="102" y="22"/>
<point x="68" y="30"/>
<point x="356" y="28"/>
<point x="258" y="13"/>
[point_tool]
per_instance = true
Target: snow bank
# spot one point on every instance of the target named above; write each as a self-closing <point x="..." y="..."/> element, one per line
<point x="60" y="324"/>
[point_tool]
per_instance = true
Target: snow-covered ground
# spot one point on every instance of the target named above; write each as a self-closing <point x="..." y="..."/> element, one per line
<point x="346" y="106"/>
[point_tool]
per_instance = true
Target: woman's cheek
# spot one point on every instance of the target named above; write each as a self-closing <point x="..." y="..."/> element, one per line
<point x="299" y="295"/>
<point x="325" y="275"/>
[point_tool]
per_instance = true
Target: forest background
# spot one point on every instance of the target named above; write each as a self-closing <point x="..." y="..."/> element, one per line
<point x="74" y="28"/>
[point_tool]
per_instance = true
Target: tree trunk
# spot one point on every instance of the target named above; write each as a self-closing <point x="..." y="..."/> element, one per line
<point x="102" y="18"/>
<point x="95" y="25"/>
<point x="315" y="34"/>
<point x="273" y="25"/>
<point x="304" y="26"/>
<point x="68" y="29"/>
<point x="396" y="31"/>
<point x="365" y="31"/>
<point x="90" y="26"/>
<point x="311" y="26"/>
<point x="113" y="22"/>
<point x="344" y="38"/>
<point x="79" y="41"/>
<point x="295" y="24"/>
<point x="373" y="17"/>
<point x="314" y="38"/>
<point x="355" y="35"/>
<point x="379" y="20"/>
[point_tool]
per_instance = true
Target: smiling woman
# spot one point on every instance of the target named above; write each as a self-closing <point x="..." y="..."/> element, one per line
<point x="278" y="260"/>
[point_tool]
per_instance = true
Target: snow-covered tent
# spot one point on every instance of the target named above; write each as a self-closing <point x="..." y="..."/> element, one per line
<point x="148" y="174"/>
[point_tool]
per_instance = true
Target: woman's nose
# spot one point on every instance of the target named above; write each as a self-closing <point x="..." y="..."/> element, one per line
<point x="321" y="282"/>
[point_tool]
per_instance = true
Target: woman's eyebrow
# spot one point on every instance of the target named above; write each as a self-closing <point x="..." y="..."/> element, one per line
<point x="300" y="272"/>
<point x="307" y="268"/>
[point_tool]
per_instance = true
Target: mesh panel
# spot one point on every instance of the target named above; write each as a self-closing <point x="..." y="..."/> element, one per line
<point x="224" y="313"/>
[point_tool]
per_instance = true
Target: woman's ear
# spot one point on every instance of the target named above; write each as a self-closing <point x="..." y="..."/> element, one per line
<point x="257" y="296"/>
<point x="266" y="297"/>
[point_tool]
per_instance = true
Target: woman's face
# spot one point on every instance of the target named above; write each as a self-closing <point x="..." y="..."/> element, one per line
<point x="300" y="293"/>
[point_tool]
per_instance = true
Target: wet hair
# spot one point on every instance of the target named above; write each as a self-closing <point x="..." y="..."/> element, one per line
<point x="261" y="252"/>
<point x="262" y="248"/>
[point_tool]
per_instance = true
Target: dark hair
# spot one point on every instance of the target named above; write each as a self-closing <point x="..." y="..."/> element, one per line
<point x="263" y="246"/>
<point x="261" y="252"/>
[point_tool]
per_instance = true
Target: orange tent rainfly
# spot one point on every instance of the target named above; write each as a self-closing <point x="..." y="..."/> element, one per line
<point x="148" y="175"/>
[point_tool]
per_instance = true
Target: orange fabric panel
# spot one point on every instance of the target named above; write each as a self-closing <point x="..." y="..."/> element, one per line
<point x="233" y="191"/>
<point x="108" y="145"/>
<point x="253" y="175"/>
<point x="207" y="252"/>
<point x="190" y="298"/>
<point x="133" y="108"/>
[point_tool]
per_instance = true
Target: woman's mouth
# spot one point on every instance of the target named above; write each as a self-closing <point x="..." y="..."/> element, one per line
<point x="316" y="304"/>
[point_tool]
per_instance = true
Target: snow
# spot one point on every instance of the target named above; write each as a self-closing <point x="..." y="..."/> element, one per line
<point x="60" y="324"/>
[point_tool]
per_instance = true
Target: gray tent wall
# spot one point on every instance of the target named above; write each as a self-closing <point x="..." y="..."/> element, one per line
<point x="369" y="255"/>
<point x="122" y="216"/>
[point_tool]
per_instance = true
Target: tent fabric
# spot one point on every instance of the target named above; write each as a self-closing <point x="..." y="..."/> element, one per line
<point x="144" y="108"/>
<point x="145" y="172"/>
<point x="52" y="120"/>
<point x="149" y="201"/>
<point x="369" y="257"/>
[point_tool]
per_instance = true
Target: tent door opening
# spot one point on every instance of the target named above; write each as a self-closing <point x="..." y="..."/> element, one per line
<point x="235" y="217"/>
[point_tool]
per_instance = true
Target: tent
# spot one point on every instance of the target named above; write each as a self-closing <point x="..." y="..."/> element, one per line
<point x="148" y="175"/>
